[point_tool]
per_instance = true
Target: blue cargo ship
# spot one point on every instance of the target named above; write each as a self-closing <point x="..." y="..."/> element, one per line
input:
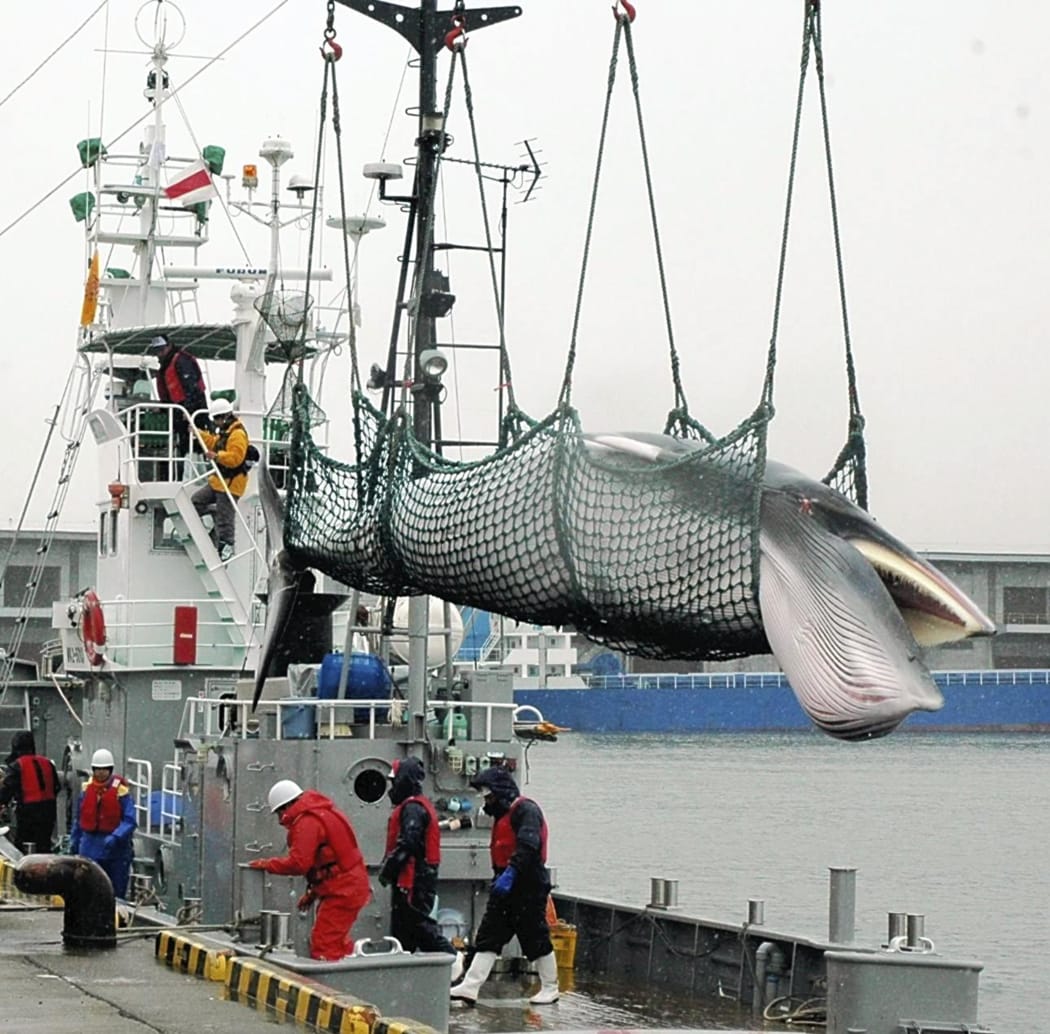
<point x="974" y="701"/>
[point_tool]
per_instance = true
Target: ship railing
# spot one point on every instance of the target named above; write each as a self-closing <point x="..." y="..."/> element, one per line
<point x="158" y="813"/>
<point x="483" y="716"/>
<point x="154" y="457"/>
<point x="150" y="431"/>
<point x="225" y="717"/>
<point x="170" y="803"/>
<point x="125" y="617"/>
<point x="210" y="718"/>
<point x="138" y="774"/>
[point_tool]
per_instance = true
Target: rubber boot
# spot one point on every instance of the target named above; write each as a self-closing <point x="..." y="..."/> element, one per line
<point x="457" y="967"/>
<point x="467" y="989"/>
<point x="547" y="967"/>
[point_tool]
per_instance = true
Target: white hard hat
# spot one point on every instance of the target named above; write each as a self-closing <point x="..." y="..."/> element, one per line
<point x="102" y="758"/>
<point x="283" y="792"/>
<point x="220" y="407"/>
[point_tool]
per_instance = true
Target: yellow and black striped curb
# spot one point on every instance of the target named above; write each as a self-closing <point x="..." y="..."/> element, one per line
<point x="395" y="1025"/>
<point x="188" y="956"/>
<point x="301" y="999"/>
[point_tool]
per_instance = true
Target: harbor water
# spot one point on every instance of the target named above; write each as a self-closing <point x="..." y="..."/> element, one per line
<point x="952" y="827"/>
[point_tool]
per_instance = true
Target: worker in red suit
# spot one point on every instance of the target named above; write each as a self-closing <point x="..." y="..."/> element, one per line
<point x="323" y="848"/>
<point x="31" y="783"/>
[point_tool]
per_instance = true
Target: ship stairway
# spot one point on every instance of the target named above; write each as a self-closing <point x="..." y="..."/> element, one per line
<point x="14" y="715"/>
<point x="214" y="574"/>
<point x="70" y="420"/>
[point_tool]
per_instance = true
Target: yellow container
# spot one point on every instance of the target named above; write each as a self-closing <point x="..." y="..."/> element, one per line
<point x="563" y="938"/>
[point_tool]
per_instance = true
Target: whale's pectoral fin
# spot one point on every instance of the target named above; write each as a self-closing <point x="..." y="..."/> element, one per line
<point x="286" y="580"/>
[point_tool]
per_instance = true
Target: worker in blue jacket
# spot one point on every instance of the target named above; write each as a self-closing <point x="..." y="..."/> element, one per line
<point x="104" y="822"/>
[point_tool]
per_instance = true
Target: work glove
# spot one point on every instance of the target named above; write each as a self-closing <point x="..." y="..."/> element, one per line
<point x="305" y="901"/>
<point x="109" y="846"/>
<point x="504" y="881"/>
<point x="257" y="863"/>
<point x="388" y="871"/>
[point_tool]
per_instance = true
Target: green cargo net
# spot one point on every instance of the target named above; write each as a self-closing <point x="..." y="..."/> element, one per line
<point x="544" y="530"/>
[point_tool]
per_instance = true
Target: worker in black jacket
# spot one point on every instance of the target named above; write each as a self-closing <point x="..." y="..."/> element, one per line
<point x="517" y="904"/>
<point x="31" y="782"/>
<point x="410" y="865"/>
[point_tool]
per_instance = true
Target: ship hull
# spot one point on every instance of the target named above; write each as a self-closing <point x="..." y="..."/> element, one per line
<point x="985" y="701"/>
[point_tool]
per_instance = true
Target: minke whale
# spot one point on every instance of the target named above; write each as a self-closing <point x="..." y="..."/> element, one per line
<point x="844" y="604"/>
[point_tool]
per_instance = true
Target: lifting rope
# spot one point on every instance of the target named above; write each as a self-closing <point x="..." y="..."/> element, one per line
<point x="849" y="473"/>
<point x="659" y="559"/>
<point x="624" y="21"/>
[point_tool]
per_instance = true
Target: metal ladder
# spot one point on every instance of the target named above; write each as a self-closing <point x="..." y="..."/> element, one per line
<point x="190" y="529"/>
<point x="81" y="387"/>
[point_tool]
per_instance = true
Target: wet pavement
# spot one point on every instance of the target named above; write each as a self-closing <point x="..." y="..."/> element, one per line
<point x="46" y="987"/>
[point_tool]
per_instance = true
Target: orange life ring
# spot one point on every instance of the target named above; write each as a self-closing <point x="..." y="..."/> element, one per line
<point x="92" y="627"/>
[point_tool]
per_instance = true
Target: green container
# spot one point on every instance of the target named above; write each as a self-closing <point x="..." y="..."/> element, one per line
<point x="215" y="156"/>
<point x="91" y="150"/>
<point x="82" y="205"/>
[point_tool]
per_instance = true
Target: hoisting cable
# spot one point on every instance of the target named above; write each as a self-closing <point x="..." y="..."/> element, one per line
<point x="76" y="32"/>
<point x="850" y="463"/>
<point x="624" y="21"/>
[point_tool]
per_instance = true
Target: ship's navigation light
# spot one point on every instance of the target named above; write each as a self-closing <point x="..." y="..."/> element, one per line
<point x="249" y="177"/>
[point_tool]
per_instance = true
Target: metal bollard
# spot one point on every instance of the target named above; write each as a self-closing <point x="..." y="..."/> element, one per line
<point x="756" y="911"/>
<point x="663" y="893"/>
<point x="280" y="929"/>
<point x="895" y="926"/>
<point x="842" y="904"/>
<point x="267" y="917"/>
<point x="916" y="929"/>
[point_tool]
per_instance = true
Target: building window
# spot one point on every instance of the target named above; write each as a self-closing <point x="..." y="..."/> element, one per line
<point x="1023" y="605"/>
<point x="48" y="585"/>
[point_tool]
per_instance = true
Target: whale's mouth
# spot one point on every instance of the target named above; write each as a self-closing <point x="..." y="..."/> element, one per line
<point x="934" y="608"/>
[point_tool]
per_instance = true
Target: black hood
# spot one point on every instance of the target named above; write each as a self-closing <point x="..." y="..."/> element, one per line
<point x="499" y="783"/>
<point x="21" y="743"/>
<point x="408" y="779"/>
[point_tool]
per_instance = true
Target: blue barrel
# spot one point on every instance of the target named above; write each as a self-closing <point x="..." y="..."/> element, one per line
<point x="368" y="679"/>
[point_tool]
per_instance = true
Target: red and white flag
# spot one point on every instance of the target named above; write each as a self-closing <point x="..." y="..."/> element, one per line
<point x="193" y="185"/>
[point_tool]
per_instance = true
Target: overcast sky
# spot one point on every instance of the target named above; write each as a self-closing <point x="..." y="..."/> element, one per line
<point x="940" y="124"/>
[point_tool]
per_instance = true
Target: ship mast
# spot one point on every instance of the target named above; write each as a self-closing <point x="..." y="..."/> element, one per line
<point x="426" y="29"/>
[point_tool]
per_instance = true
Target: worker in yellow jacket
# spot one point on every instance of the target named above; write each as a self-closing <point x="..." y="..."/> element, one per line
<point x="228" y="448"/>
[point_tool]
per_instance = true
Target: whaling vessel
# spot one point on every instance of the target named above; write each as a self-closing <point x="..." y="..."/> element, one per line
<point x="166" y="657"/>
